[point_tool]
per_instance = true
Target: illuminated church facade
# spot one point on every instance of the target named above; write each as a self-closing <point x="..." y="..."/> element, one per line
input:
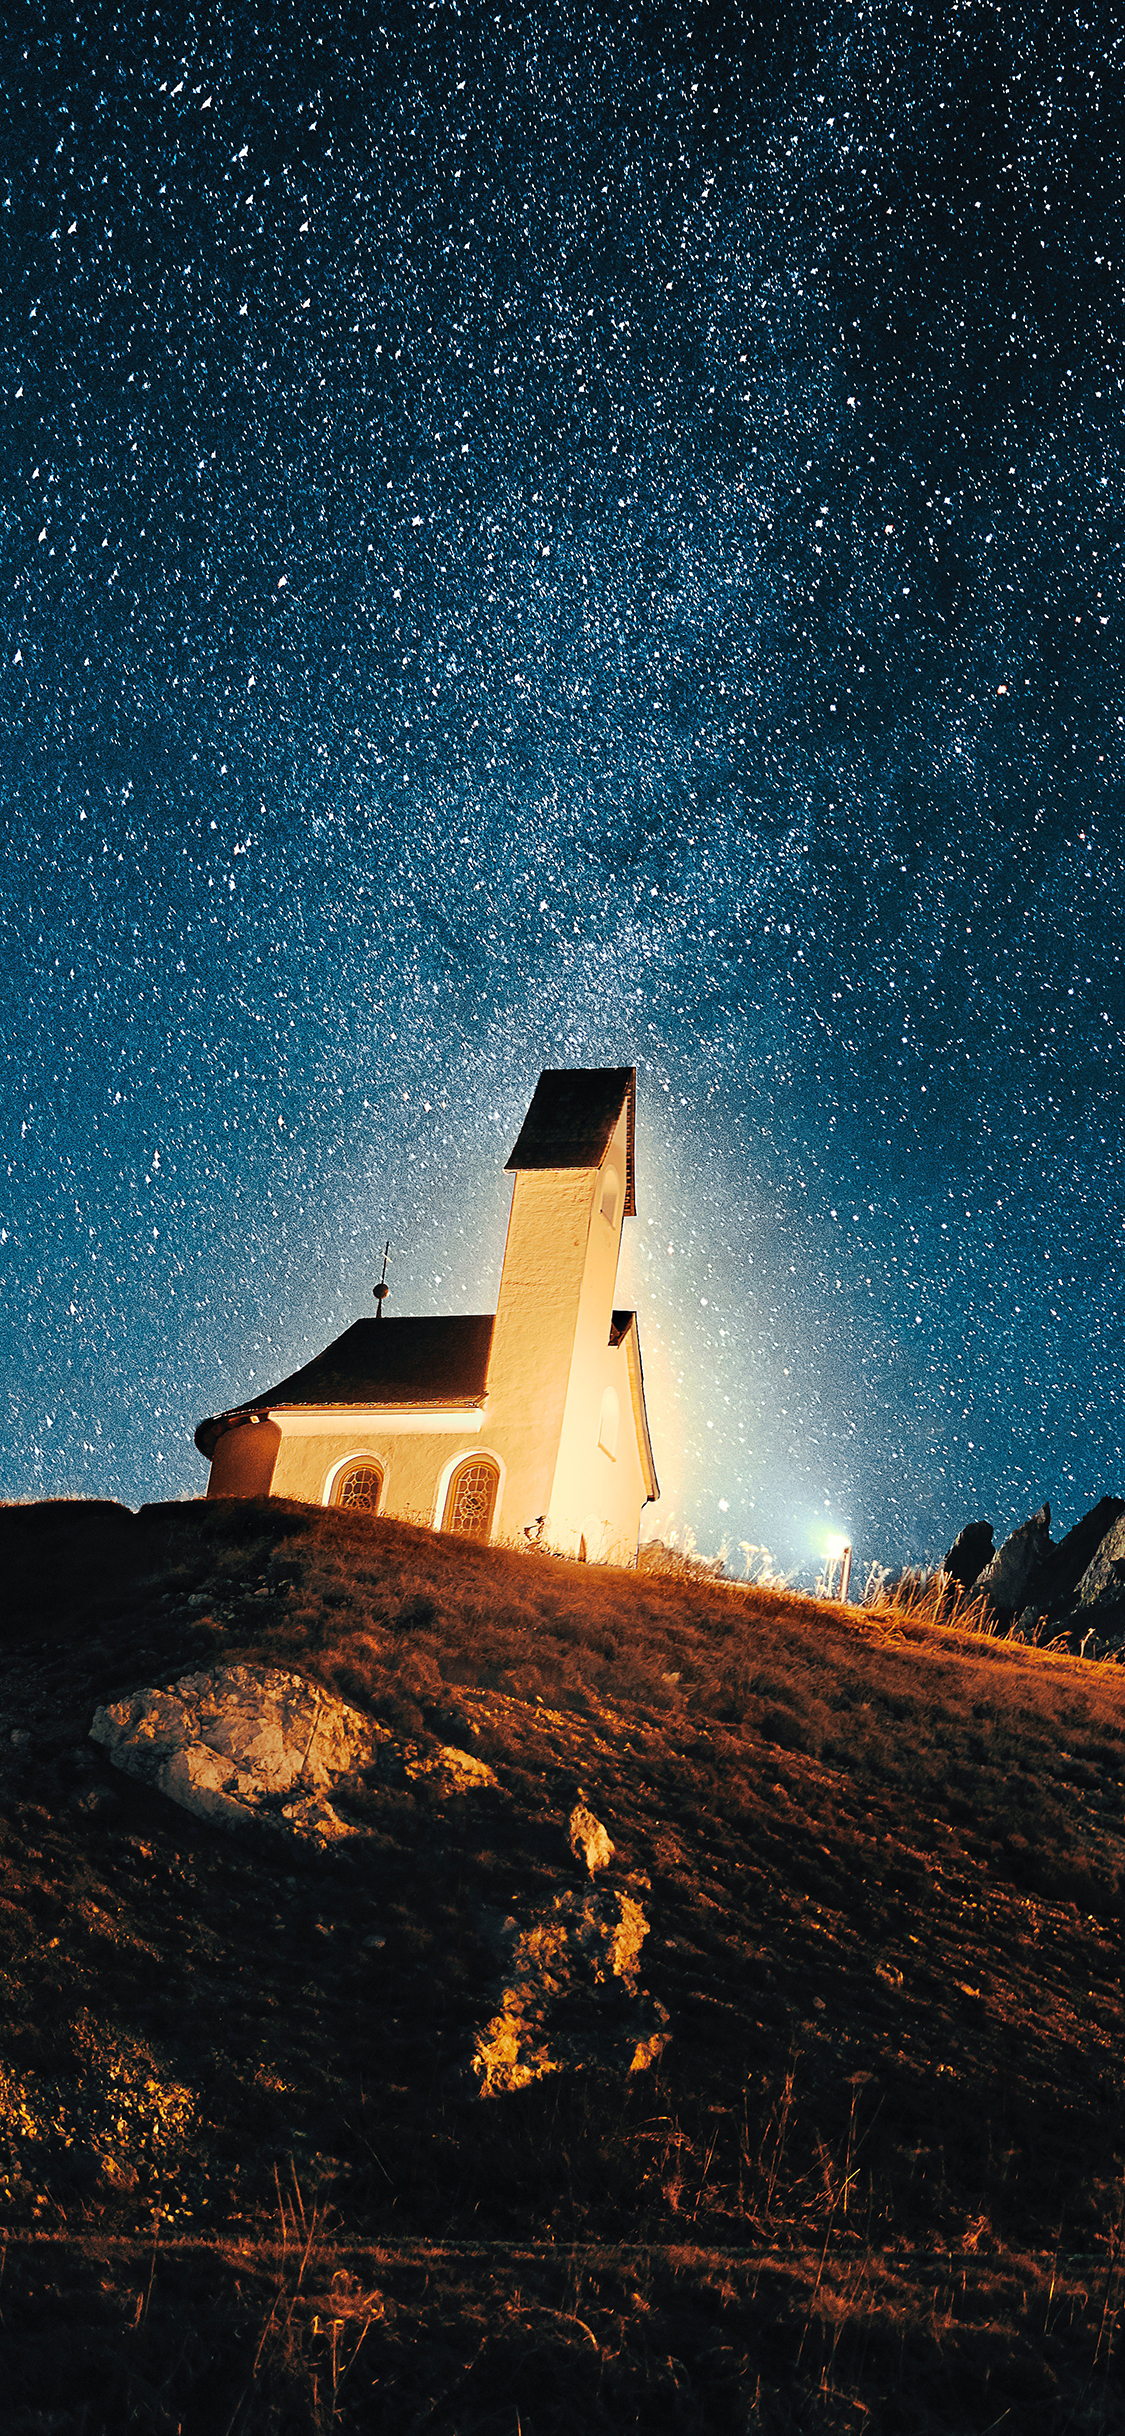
<point x="526" y="1424"/>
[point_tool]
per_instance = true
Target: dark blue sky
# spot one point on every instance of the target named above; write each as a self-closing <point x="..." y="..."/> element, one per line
<point x="557" y="536"/>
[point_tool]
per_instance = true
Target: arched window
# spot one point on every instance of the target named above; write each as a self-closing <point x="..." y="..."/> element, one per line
<point x="470" y="1500"/>
<point x="611" y="1186"/>
<point x="610" y="1422"/>
<point x="359" y="1487"/>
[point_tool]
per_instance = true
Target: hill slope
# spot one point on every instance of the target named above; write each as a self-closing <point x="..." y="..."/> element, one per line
<point x="874" y="2179"/>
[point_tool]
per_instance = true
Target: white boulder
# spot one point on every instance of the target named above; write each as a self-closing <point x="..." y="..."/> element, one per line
<point x="247" y="1743"/>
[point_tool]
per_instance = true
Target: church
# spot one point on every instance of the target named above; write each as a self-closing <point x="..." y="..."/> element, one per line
<point x="526" y="1424"/>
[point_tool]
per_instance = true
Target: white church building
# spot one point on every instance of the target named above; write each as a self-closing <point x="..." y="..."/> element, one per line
<point x="524" y="1424"/>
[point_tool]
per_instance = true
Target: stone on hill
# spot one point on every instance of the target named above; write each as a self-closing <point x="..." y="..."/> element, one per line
<point x="244" y="1743"/>
<point x="588" y="1839"/>
<point x="1016" y="1574"/>
<point x="1103" y="1581"/>
<point x="969" y="1554"/>
<point x="455" y="1771"/>
<point x="569" y="1995"/>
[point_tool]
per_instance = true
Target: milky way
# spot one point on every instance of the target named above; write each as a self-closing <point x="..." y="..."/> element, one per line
<point x="563" y="538"/>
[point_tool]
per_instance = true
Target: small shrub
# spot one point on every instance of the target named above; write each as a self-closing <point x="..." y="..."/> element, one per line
<point x="417" y="1611"/>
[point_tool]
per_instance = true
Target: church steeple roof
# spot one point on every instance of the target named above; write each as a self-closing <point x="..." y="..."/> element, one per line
<point x="572" y="1118"/>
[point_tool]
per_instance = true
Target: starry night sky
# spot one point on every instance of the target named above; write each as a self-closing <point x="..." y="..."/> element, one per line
<point x="560" y="536"/>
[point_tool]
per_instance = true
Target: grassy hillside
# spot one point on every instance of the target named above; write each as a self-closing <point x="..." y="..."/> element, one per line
<point x="875" y="2180"/>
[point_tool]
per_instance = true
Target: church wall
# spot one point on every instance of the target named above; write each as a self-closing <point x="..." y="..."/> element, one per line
<point x="598" y="1497"/>
<point x="412" y="1463"/>
<point x="244" y="1462"/>
<point x="533" y="1339"/>
<point x="589" y="1486"/>
<point x="602" y="1503"/>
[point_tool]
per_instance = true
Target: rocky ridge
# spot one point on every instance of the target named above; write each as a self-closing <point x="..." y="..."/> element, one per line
<point x="1066" y="1595"/>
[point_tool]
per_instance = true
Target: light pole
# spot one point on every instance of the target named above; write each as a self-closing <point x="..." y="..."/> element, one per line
<point x="839" y="1551"/>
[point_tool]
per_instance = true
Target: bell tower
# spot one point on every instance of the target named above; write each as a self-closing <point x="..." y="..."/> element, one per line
<point x="574" y="1186"/>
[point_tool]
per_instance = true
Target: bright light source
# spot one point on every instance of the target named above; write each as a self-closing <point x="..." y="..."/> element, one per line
<point x="835" y="1546"/>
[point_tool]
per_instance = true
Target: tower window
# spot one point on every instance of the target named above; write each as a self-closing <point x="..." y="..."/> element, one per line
<point x="359" y="1487"/>
<point x="470" y="1500"/>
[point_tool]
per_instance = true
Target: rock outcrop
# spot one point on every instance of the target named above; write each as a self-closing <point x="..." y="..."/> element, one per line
<point x="1035" y="1587"/>
<point x="969" y="1554"/>
<point x="246" y="1744"/>
<point x="1079" y="1553"/>
<point x="569" y="1994"/>
<point x="1103" y="1582"/>
<point x="1016" y="1575"/>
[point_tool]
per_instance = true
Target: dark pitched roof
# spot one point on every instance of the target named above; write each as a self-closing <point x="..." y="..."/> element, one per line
<point x="387" y="1361"/>
<point x="396" y="1361"/>
<point x="571" y="1119"/>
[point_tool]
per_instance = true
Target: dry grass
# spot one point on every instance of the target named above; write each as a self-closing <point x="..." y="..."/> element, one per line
<point x="879" y="2178"/>
<point x="919" y="1695"/>
<point x="472" y="2338"/>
